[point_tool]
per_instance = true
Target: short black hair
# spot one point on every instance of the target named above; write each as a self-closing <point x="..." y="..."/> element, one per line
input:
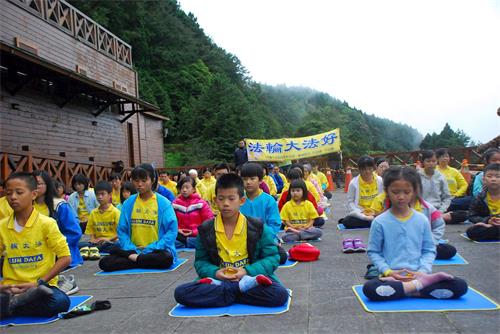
<point x="103" y="186"/>
<point x="489" y="154"/>
<point x="251" y="169"/>
<point x="127" y="186"/>
<point x="80" y="178"/>
<point x="365" y="161"/>
<point x="29" y="178"/>
<point x="378" y="161"/>
<point x="221" y="166"/>
<point x="294" y="174"/>
<point x="114" y="176"/>
<point x="228" y="181"/>
<point x="396" y="173"/>
<point x="428" y="154"/>
<point x="441" y="151"/>
<point x="298" y="183"/>
<point x="164" y="171"/>
<point x="493" y="167"/>
<point x="185" y="180"/>
<point x="299" y="166"/>
<point x="142" y="172"/>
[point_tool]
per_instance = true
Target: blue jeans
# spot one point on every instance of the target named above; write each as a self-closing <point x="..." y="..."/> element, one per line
<point x="196" y="294"/>
<point x="460" y="203"/>
<point x="46" y="307"/>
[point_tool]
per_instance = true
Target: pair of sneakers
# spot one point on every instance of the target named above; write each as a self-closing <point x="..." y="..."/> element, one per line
<point x="355" y="245"/>
<point x="67" y="284"/>
<point x="90" y="253"/>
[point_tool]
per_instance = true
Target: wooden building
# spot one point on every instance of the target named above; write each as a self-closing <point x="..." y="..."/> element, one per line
<point x="69" y="95"/>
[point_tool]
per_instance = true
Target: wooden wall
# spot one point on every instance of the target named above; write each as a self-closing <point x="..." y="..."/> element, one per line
<point x="61" y="48"/>
<point x="48" y="130"/>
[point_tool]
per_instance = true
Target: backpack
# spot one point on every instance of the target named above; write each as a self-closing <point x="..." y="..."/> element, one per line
<point x="304" y="253"/>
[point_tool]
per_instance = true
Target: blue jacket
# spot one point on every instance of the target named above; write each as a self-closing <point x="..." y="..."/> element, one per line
<point x="69" y="226"/>
<point x="88" y="198"/>
<point x="401" y="245"/>
<point x="279" y="182"/>
<point x="166" y="193"/>
<point x="167" y="229"/>
<point x="265" y="208"/>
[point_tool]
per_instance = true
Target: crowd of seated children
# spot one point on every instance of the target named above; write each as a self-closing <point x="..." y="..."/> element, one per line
<point x="484" y="210"/>
<point x="191" y="210"/>
<point x="235" y="258"/>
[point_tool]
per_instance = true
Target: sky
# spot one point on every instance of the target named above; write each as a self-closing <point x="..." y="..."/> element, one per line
<point x="423" y="63"/>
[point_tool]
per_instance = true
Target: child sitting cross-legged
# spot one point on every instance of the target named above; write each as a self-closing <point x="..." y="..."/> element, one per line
<point x="298" y="215"/>
<point x="235" y="258"/>
<point x="35" y="252"/>
<point x="147" y="227"/>
<point x="401" y="247"/>
<point x="101" y="225"/>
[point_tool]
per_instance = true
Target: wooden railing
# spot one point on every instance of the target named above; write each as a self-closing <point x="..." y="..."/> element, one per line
<point x="69" y="19"/>
<point x="60" y="169"/>
<point x="457" y="155"/>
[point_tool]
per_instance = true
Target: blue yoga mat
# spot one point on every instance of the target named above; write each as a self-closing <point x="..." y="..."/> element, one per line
<point x="235" y="310"/>
<point x="473" y="300"/>
<point x="20" y="321"/>
<point x="300" y="241"/>
<point x="463" y="235"/>
<point x="288" y="264"/>
<point x="185" y="249"/>
<point x="341" y="227"/>
<point x="454" y="261"/>
<point x="179" y="262"/>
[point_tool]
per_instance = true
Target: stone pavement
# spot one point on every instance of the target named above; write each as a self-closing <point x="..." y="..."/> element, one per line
<point x="323" y="301"/>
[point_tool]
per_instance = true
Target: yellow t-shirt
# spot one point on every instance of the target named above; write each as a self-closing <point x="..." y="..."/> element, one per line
<point x="5" y="209"/>
<point x="323" y="180"/>
<point x="144" y="221"/>
<point x="172" y="186"/>
<point x="418" y="206"/>
<point x="42" y="208"/>
<point x="103" y="224"/>
<point x="31" y="253"/>
<point x="298" y="215"/>
<point x="493" y="205"/>
<point x="115" y="197"/>
<point x="378" y="204"/>
<point x="233" y="252"/>
<point x="204" y="186"/>
<point x="270" y="184"/>
<point x="456" y="181"/>
<point x="83" y="214"/>
<point x="210" y="194"/>
<point x="367" y="192"/>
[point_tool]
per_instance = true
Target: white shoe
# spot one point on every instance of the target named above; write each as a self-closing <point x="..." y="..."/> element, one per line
<point x="67" y="284"/>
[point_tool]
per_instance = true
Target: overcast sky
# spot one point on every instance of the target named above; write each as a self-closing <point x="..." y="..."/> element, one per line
<point x="423" y="63"/>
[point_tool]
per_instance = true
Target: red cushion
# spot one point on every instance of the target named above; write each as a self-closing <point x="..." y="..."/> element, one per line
<point x="304" y="252"/>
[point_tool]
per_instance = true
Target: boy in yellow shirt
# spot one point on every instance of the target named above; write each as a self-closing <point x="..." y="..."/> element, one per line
<point x="235" y="257"/>
<point x="164" y="180"/>
<point x="219" y="170"/>
<point x="30" y="242"/>
<point x="102" y="225"/>
<point x="456" y="182"/>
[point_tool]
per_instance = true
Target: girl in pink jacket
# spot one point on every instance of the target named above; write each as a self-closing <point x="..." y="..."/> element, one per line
<point x="191" y="211"/>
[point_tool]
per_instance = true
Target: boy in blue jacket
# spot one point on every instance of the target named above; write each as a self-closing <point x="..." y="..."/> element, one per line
<point x="147" y="228"/>
<point x="235" y="257"/>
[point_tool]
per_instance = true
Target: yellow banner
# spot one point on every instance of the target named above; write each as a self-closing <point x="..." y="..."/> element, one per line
<point x="293" y="148"/>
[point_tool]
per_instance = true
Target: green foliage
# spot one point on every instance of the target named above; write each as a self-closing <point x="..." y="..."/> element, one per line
<point x="210" y="98"/>
<point x="446" y="138"/>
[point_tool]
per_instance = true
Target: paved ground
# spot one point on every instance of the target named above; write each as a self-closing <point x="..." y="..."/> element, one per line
<point x="322" y="298"/>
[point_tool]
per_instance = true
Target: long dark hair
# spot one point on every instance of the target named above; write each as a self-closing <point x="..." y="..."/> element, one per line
<point x="50" y="192"/>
